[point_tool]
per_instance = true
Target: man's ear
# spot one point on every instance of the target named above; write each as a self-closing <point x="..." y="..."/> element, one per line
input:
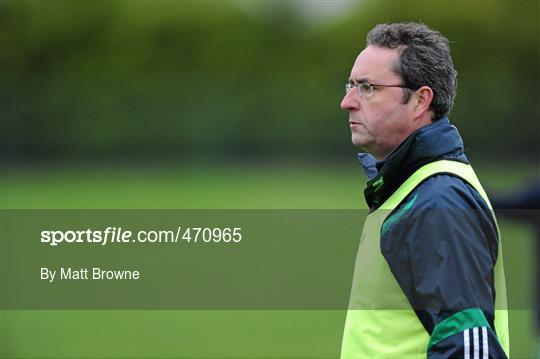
<point x="422" y="100"/>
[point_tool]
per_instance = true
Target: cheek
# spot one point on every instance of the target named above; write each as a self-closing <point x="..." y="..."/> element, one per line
<point x="378" y="117"/>
<point x="378" y="110"/>
<point x="383" y="112"/>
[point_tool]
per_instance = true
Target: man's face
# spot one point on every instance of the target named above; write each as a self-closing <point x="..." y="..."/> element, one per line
<point x="378" y="123"/>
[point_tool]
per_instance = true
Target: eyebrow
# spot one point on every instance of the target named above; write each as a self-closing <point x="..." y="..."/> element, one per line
<point x="359" y="81"/>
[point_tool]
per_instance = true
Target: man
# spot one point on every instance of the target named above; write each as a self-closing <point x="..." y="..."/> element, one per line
<point x="428" y="277"/>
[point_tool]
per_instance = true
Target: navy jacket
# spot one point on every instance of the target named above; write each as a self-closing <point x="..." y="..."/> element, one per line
<point x="441" y="243"/>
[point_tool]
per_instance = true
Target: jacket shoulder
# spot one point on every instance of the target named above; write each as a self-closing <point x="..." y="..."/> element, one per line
<point x="447" y="191"/>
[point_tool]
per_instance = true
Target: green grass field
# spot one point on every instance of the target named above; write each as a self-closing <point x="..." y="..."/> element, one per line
<point x="263" y="186"/>
<point x="214" y="333"/>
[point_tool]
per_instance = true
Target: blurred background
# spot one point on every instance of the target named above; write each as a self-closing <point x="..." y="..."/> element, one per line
<point x="235" y="104"/>
<point x="106" y="97"/>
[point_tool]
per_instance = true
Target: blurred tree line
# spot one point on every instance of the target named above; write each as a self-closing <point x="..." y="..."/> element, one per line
<point x="191" y="80"/>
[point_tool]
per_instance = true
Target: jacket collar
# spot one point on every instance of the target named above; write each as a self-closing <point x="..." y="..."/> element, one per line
<point x="439" y="140"/>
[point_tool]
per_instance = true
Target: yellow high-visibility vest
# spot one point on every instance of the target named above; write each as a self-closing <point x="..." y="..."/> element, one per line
<point x="380" y="321"/>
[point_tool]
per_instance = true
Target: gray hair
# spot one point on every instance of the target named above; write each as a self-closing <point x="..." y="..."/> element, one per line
<point x="425" y="60"/>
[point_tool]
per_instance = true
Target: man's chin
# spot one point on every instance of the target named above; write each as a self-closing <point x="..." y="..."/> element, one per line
<point x="358" y="142"/>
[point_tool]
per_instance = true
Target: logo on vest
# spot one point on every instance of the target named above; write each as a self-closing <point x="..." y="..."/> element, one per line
<point x="378" y="184"/>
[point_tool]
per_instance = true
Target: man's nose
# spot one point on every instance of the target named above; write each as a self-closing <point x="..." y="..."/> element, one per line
<point x="350" y="101"/>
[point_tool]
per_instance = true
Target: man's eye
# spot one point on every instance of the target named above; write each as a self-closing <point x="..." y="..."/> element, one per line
<point x="365" y="87"/>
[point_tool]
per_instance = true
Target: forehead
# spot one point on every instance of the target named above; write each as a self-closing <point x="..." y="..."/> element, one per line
<point x="375" y="64"/>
